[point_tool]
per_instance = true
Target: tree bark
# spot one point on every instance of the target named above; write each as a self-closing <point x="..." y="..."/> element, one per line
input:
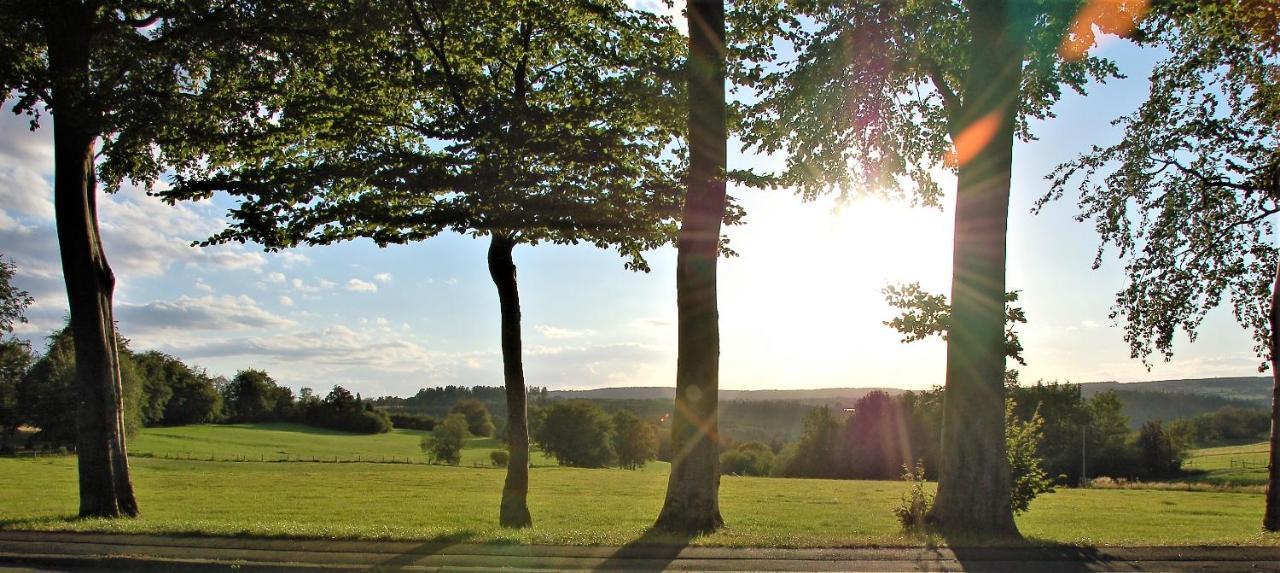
<point x="105" y="486"/>
<point x="974" y="484"/>
<point x="1271" y="517"/>
<point x="514" y="510"/>
<point x="692" y="503"/>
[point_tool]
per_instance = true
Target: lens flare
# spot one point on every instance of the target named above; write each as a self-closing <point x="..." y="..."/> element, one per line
<point x="970" y="142"/>
<point x="1117" y="17"/>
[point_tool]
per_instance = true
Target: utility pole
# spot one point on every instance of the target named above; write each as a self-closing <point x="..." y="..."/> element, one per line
<point x="1084" y="447"/>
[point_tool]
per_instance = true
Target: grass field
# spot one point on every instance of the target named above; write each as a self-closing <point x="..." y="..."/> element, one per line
<point x="1229" y="465"/>
<point x="570" y="505"/>
<point x="281" y="441"/>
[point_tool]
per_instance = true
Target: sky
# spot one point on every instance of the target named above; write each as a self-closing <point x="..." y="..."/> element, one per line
<point x="800" y="307"/>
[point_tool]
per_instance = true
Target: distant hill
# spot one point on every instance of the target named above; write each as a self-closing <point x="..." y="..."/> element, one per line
<point x="814" y="396"/>
<point x="1143" y="401"/>
<point x="1256" y="389"/>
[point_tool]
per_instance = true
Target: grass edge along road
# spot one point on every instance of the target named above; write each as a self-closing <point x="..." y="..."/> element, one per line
<point x="573" y="506"/>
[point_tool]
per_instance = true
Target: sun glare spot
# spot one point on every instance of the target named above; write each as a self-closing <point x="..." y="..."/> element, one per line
<point x="973" y="140"/>
<point x="1118" y="17"/>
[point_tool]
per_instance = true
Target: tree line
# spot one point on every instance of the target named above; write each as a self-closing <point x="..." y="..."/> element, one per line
<point x="531" y="122"/>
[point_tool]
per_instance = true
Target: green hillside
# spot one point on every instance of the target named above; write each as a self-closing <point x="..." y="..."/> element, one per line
<point x="276" y="441"/>
<point x="1229" y="465"/>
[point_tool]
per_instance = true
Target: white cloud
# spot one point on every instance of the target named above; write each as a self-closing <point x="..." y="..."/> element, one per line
<point x="382" y="277"/>
<point x="557" y="332"/>
<point x="276" y="277"/>
<point x="203" y="286"/>
<point x="286" y="301"/>
<point x="1089" y="324"/>
<point x="202" y="313"/>
<point x="291" y="259"/>
<point x="357" y="285"/>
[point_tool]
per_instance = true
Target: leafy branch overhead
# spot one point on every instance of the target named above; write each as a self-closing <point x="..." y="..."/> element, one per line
<point x="1188" y="194"/>
<point x="925" y="314"/>
<point x="555" y="124"/>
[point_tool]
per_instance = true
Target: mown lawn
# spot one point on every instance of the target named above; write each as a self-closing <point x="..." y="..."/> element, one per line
<point x="575" y="506"/>
<point x="1229" y="465"/>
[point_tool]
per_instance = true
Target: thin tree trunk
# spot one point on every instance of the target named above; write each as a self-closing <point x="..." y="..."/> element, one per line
<point x="105" y="486"/>
<point x="973" y="482"/>
<point x="692" y="503"/>
<point x="1271" y="518"/>
<point x="514" y="511"/>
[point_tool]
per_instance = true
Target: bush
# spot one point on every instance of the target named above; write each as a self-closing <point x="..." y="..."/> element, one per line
<point x="1158" y="455"/>
<point x="499" y="458"/>
<point x="1026" y="471"/>
<point x="479" y="423"/>
<point x="577" y="433"/>
<point x="444" y="445"/>
<point x="916" y="501"/>
<point x="413" y="421"/>
<point x="747" y="459"/>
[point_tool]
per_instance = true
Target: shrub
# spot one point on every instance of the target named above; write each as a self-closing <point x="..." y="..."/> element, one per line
<point x="1026" y="471"/>
<point x="916" y="501"/>
<point x="747" y="459"/>
<point x="499" y="458"/>
<point x="444" y="445"/>
<point x="479" y="423"/>
<point x="1158" y="456"/>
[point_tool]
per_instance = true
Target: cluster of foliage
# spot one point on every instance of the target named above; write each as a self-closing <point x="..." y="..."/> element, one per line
<point x="579" y="433"/>
<point x="1044" y="429"/>
<point x="412" y="421"/>
<point x="1228" y="425"/>
<point x="438" y="401"/>
<point x="158" y="390"/>
<point x="479" y="422"/>
<point x="747" y="459"/>
<point x="253" y="396"/>
<point x="339" y="410"/>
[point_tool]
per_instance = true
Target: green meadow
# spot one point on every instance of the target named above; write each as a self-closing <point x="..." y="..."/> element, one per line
<point x="1229" y="465"/>
<point x="570" y="505"/>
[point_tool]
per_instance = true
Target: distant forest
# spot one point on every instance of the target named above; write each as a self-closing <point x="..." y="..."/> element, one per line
<point x="777" y="416"/>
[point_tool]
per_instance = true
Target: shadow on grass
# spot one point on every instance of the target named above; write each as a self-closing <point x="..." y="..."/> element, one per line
<point x="652" y="551"/>
<point x="413" y="557"/>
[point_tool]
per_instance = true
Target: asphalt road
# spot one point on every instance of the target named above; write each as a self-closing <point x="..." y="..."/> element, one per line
<point x="36" y="551"/>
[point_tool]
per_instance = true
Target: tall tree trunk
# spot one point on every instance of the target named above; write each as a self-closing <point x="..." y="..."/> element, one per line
<point x="1271" y="518"/>
<point x="974" y="483"/>
<point x="105" y="486"/>
<point x="514" y="511"/>
<point x="693" y="489"/>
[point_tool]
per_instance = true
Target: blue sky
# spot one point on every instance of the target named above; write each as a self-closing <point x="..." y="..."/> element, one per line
<point x="800" y="308"/>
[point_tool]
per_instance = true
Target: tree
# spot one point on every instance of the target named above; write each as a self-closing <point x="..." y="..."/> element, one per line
<point x="446" y="440"/>
<point x="15" y="354"/>
<point x="107" y="73"/>
<point x="253" y="396"/>
<point x="876" y="443"/>
<point x="48" y="398"/>
<point x="1187" y="195"/>
<point x="877" y="96"/>
<point x="635" y="441"/>
<point x="692" y="502"/>
<point x="577" y="433"/>
<point x="1158" y="455"/>
<point x="816" y="453"/>
<point x="526" y="122"/>
<point x="478" y="421"/>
